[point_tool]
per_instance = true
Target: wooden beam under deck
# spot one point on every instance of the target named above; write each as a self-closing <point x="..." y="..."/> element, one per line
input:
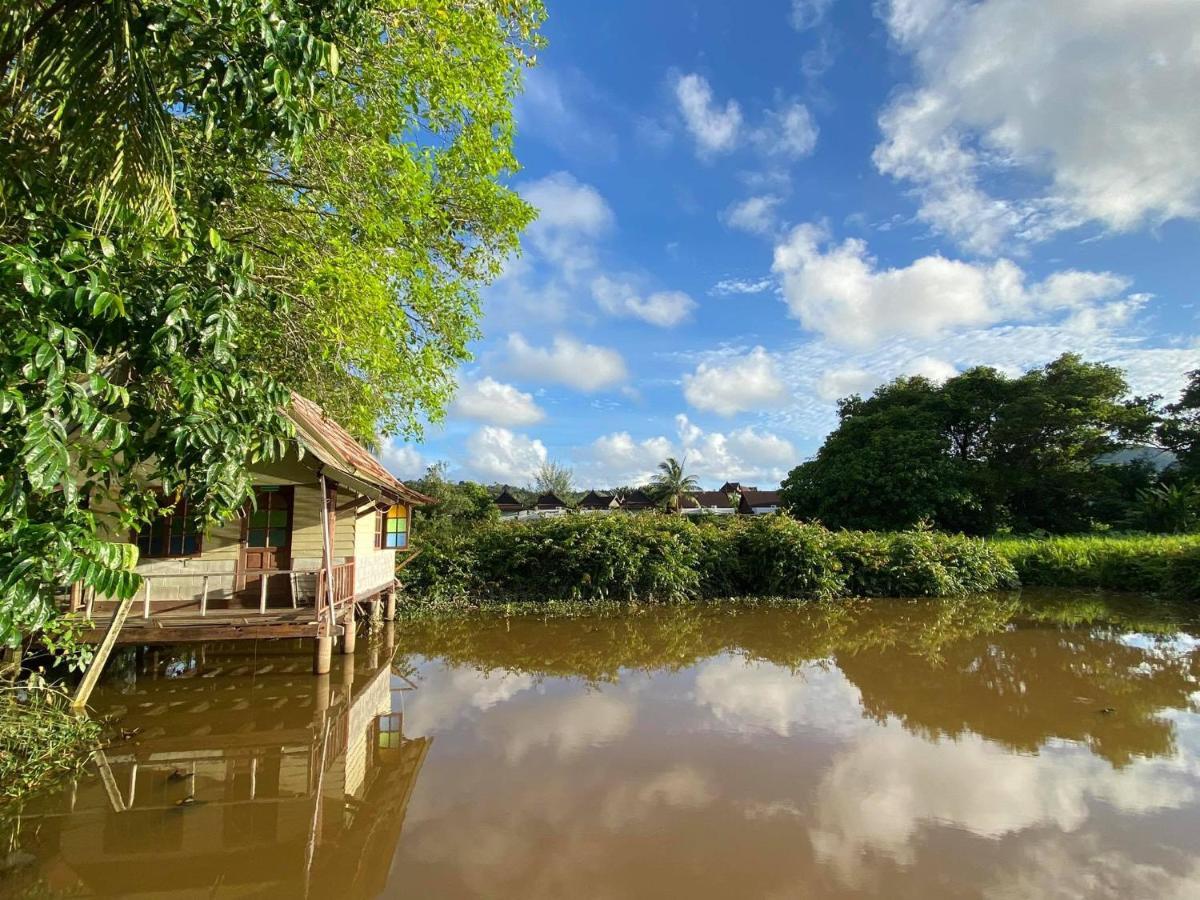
<point x="219" y="625"/>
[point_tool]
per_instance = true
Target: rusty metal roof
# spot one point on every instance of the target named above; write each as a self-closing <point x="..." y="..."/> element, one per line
<point x="333" y="445"/>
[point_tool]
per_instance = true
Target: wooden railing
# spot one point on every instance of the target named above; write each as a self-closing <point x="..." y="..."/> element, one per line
<point x="81" y="600"/>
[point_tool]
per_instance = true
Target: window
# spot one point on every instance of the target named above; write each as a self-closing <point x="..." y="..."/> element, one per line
<point x="172" y="534"/>
<point x="270" y="524"/>
<point x="391" y="528"/>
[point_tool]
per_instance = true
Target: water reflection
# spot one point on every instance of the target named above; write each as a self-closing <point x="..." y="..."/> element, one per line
<point x="240" y="774"/>
<point x="988" y="748"/>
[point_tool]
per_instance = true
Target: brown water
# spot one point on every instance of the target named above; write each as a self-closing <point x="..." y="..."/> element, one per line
<point x="985" y="748"/>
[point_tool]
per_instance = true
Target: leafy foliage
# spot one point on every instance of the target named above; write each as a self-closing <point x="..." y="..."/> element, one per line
<point x="161" y="270"/>
<point x="554" y="478"/>
<point x="1180" y="428"/>
<point x="980" y="452"/>
<point x="667" y="558"/>
<point x="671" y="484"/>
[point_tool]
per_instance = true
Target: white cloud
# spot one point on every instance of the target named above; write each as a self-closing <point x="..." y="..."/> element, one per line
<point x="495" y="403"/>
<point x="745" y="454"/>
<point x="788" y="131"/>
<point x="936" y="370"/>
<point x="727" y="286"/>
<point x="565" y="110"/>
<point x="715" y="128"/>
<point x="838" y="383"/>
<point x="1088" y="96"/>
<point x="840" y="292"/>
<point x="755" y="215"/>
<point x="750" y="382"/>
<point x="662" y="308"/>
<point x="808" y="14"/>
<point x="584" y="367"/>
<point x="498" y="454"/>
<point x="401" y="460"/>
<point x="571" y="216"/>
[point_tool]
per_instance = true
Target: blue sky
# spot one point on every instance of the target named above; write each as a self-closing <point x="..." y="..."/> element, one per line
<point x="750" y="210"/>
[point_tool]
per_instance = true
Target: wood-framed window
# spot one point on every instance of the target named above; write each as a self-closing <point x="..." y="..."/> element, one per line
<point x="391" y="528"/>
<point x="270" y="522"/>
<point x="173" y="534"/>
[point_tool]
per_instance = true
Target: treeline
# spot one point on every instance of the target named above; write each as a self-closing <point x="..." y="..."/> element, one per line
<point x="1061" y="449"/>
<point x="669" y="558"/>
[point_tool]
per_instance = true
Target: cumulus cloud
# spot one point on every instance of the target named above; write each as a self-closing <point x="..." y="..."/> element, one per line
<point x="1087" y="96"/>
<point x="755" y="215"/>
<point x="736" y="384"/>
<point x="838" y="383"/>
<point x="662" y="308"/>
<point x="584" y="367"/>
<point x="495" y="403"/>
<point x="498" y="454"/>
<point x="401" y="460"/>
<point x="840" y="291"/>
<point x="714" y="127"/>
<point x="745" y="454"/>
<point x="571" y="216"/>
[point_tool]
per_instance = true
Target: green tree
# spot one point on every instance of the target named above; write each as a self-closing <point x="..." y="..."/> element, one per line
<point x="979" y="452"/>
<point x="1180" y="428"/>
<point x="148" y="152"/>
<point x="461" y="503"/>
<point x="671" y="484"/>
<point x="554" y="478"/>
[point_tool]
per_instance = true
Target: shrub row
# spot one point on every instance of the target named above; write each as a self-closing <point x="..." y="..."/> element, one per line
<point x="636" y="558"/>
<point x="1167" y="564"/>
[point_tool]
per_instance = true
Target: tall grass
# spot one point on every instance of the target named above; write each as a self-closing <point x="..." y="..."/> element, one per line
<point x="636" y="558"/>
<point x="1166" y="564"/>
<point x="41" y="739"/>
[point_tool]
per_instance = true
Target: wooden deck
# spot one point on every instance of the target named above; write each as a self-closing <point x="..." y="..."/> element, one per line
<point x="186" y="626"/>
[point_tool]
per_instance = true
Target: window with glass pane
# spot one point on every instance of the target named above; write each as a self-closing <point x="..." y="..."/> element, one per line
<point x="269" y="524"/>
<point x="392" y="532"/>
<point x="172" y="534"/>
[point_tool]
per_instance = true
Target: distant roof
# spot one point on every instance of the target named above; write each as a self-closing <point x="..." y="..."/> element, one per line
<point x="549" y="499"/>
<point x="761" y="498"/>
<point x="507" y="499"/>
<point x="596" y="498"/>
<point x="737" y="486"/>
<point x="709" y="499"/>
<point x="636" y="500"/>
<point x="332" y="445"/>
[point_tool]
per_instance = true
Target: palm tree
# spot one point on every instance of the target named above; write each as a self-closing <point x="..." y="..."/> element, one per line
<point x="672" y="484"/>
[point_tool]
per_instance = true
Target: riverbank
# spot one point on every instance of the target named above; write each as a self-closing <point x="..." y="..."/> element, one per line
<point x="668" y="558"/>
<point x="1161" y="564"/>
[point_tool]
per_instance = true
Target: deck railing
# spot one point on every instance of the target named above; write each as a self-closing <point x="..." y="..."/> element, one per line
<point x="343" y="589"/>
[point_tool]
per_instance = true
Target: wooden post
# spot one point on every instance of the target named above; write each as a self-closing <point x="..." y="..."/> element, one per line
<point x="389" y="606"/>
<point x="350" y="634"/>
<point x="327" y="554"/>
<point x="146" y="599"/>
<point x="322" y="654"/>
<point x="262" y="594"/>
<point x="92" y="675"/>
<point x="204" y="596"/>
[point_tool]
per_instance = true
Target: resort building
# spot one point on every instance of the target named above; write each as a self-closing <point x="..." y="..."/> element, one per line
<point x="716" y="503"/>
<point x="550" y="502"/>
<point x="758" y="503"/>
<point x="595" y="501"/>
<point x="323" y="535"/>
<point x="508" y="504"/>
<point x="636" y="501"/>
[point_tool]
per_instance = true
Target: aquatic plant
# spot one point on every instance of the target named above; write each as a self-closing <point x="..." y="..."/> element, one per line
<point x="41" y="739"/>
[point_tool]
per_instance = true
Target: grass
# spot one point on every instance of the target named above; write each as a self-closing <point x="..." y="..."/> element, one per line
<point x="41" y="739"/>
<point x="1165" y="564"/>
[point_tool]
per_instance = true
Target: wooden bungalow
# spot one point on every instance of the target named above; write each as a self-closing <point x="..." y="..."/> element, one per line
<point x="736" y="487"/>
<point x="508" y="504"/>
<point x="595" y="501"/>
<point x="759" y="503"/>
<point x="323" y="536"/>
<point x="548" y="502"/>
<point x="715" y="503"/>
<point x="636" y="501"/>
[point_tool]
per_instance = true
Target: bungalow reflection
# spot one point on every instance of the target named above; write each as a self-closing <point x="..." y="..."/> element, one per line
<point x="240" y="775"/>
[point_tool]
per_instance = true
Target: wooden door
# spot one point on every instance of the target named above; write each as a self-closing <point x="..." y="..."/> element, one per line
<point x="267" y="543"/>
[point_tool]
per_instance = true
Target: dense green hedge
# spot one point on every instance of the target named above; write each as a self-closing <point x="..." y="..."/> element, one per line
<point x="650" y="557"/>
<point x="1168" y="564"/>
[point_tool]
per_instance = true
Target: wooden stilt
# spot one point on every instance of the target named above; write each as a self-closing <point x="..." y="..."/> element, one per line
<point x="323" y="654"/>
<point x="92" y="675"/>
<point x="389" y="605"/>
<point x="350" y="635"/>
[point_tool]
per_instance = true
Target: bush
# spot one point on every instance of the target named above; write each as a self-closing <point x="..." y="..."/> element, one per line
<point x="41" y="739"/>
<point x="1167" y="564"/>
<point x="666" y="558"/>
